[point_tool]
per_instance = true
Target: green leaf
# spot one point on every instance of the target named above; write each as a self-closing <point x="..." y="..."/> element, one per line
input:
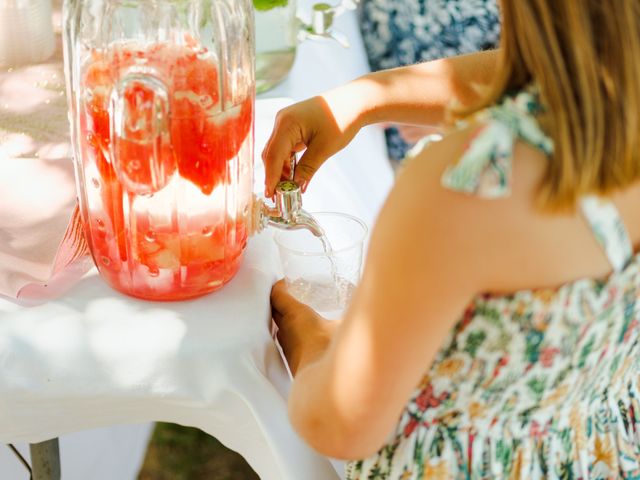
<point x="586" y="350"/>
<point x="474" y="340"/>
<point x="536" y="386"/>
<point x="262" y="5"/>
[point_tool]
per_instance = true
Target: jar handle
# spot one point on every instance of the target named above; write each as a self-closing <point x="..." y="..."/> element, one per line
<point x="140" y="138"/>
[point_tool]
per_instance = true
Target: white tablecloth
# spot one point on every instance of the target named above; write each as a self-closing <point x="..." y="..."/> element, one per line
<point x="94" y="357"/>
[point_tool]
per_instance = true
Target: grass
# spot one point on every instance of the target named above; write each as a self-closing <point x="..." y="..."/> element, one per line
<point x="183" y="453"/>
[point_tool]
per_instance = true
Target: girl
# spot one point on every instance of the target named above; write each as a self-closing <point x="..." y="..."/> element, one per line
<point x="495" y="330"/>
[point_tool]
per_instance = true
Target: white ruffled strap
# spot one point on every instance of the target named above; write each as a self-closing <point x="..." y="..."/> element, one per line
<point x="485" y="167"/>
<point x="607" y="226"/>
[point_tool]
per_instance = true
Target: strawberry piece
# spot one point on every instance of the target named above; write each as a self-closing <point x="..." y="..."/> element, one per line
<point x="204" y="144"/>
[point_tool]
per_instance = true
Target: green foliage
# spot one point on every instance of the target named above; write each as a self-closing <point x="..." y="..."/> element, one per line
<point x="183" y="453"/>
<point x="262" y="5"/>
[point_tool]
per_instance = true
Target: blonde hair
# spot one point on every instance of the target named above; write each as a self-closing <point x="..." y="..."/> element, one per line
<point x="584" y="55"/>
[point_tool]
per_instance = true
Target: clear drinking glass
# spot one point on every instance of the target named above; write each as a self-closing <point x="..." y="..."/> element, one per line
<point x="161" y="96"/>
<point x="324" y="278"/>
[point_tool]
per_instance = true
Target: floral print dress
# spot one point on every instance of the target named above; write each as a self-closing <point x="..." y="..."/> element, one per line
<point x="535" y="384"/>
<point x="404" y="32"/>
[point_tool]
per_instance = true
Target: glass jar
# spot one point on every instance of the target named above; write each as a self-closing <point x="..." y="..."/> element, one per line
<point x="26" y="32"/>
<point x="161" y="96"/>
<point x="279" y="30"/>
<point x="276" y="42"/>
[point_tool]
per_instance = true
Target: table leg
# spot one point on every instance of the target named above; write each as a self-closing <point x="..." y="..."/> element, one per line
<point x="45" y="460"/>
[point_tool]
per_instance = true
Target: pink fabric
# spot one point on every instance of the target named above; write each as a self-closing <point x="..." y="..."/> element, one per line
<point x="42" y="246"/>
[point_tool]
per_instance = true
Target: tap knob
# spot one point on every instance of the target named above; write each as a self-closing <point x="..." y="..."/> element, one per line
<point x="288" y="199"/>
<point x="287" y="213"/>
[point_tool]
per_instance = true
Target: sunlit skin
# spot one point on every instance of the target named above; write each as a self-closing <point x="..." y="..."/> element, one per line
<point x="416" y="95"/>
<point x="431" y="251"/>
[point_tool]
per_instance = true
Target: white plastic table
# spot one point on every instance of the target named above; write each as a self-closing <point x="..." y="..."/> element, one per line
<point x="94" y="357"/>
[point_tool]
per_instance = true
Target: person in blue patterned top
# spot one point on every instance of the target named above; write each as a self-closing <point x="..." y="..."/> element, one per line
<point x="496" y="331"/>
<point x="403" y="32"/>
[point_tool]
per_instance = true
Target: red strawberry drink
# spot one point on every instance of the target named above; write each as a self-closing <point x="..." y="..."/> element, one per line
<point x="167" y="168"/>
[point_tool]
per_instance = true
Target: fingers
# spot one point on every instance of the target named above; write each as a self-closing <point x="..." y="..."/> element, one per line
<point x="308" y="165"/>
<point x="287" y="174"/>
<point x="284" y="307"/>
<point x="281" y="299"/>
<point x="296" y="127"/>
<point x="285" y="139"/>
<point x="273" y="157"/>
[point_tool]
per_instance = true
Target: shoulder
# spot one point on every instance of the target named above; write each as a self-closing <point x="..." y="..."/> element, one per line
<point x="476" y="144"/>
<point x="424" y="174"/>
<point x="480" y="236"/>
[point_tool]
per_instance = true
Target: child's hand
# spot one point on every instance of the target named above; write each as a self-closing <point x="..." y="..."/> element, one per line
<point x="303" y="334"/>
<point x="321" y="125"/>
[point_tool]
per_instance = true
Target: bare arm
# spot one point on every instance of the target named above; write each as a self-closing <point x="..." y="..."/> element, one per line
<point x="418" y="94"/>
<point x="431" y="252"/>
<point x="421" y="271"/>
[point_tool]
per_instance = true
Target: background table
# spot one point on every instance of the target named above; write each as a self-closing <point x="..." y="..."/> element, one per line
<point x="95" y="358"/>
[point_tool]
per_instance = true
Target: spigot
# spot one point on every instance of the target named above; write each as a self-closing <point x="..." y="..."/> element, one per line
<point x="322" y="18"/>
<point x="287" y="213"/>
